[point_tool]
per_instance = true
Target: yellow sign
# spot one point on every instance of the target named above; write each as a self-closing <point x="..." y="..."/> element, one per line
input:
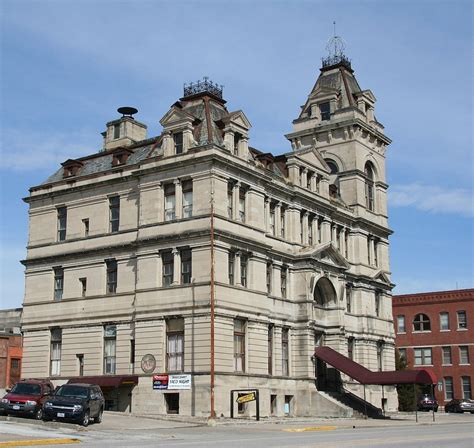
<point x="246" y="398"/>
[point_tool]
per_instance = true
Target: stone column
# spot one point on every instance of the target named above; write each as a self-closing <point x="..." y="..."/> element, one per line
<point x="314" y="229"/>
<point x="304" y="177"/>
<point x="267" y="215"/>
<point x="188" y="139"/>
<point x="334" y="234"/>
<point x="237" y="279"/>
<point x="161" y="202"/>
<point x="229" y="140"/>
<point x="294" y="174"/>
<point x="176" y="267"/>
<point x="244" y="148"/>
<point x="235" y="198"/>
<point x="276" y="279"/>
<point x="159" y="271"/>
<point x="325" y="230"/>
<point x="305" y="228"/>
<point x="372" y="250"/>
<point x="178" y="194"/>
<point x="278" y="219"/>
<point x="313" y="182"/>
<point x="342" y="248"/>
<point x="168" y="144"/>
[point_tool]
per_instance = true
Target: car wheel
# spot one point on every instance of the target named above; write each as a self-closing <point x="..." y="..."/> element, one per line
<point x="39" y="414"/>
<point x="86" y="418"/>
<point x="98" y="419"/>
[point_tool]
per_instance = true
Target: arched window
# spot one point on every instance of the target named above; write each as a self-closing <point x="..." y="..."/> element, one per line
<point x="332" y="166"/>
<point x="421" y="322"/>
<point x="369" y="186"/>
<point x="324" y="292"/>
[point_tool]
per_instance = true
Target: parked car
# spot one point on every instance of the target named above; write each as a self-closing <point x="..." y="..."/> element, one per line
<point x="26" y="398"/>
<point x="427" y="403"/>
<point x="79" y="403"/>
<point x="462" y="405"/>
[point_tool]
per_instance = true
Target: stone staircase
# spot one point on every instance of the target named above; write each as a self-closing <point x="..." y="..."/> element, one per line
<point x="357" y="404"/>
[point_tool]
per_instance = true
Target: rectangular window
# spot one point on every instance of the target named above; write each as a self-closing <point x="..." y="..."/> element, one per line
<point x="239" y="345"/>
<point x="132" y="352"/>
<point x="114" y="213"/>
<point x="56" y="342"/>
<point x="369" y="259"/>
<point x="178" y="142"/>
<point x="423" y="356"/>
<point x="447" y="358"/>
<point x="350" y="348"/>
<point x="243" y="270"/>
<point x="186" y="267"/>
<point x="242" y="205"/>
<point x="62" y="223"/>
<point x="448" y="388"/>
<point x="376" y="249"/>
<point x="110" y="342"/>
<point x="284" y="281"/>
<point x="301" y="227"/>
<point x="309" y="176"/>
<point x="111" y="276"/>
<point x="403" y="354"/>
<point x="466" y="387"/>
<point x="346" y="244"/>
<point x="319" y="230"/>
<point x="269" y="277"/>
<point x="282" y="222"/>
<point x="325" y="110"/>
<point x="380" y="350"/>
<point x="85" y="223"/>
<point x="377" y="303"/>
<point x="231" y="266"/>
<point x="270" y="349"/>
<point x="83" y="282"/>
<point x="175" y="345"/>
<point x="285" y="358"/>
<point x="349" y="298"/>
<point x="230" y="201"/>
<point x="444" y="321"/>
<point x="168" y="268"/>
<point x="401" y="323"/>
<point x="187" y="199"/>
<point x="463" y="354"/>
<point x="116" y="130"/>
<point x="310" y="230"/>
<point x="80" y="364"/>
<point x="462" y="319"/>
<point x="272" y="220"/>
<point x="58" y="283"/>
<point x="170" y="202"/>
<point x="237" y="138"/>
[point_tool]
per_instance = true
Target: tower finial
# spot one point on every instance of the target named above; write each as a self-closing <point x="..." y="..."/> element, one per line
<point x="335" y="47"/>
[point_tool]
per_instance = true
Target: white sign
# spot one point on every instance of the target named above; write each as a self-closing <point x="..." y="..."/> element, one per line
<point x="179" y="382"/>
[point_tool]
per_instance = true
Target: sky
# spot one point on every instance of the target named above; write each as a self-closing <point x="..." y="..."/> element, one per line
<point x="67" y="65"/>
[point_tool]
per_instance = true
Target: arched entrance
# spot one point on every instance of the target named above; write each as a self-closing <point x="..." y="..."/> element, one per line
<point x="324" y="296"/>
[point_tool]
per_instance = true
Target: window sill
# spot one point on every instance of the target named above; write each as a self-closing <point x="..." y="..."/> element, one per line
<point x="447" y="365"/>
<point x="465" y="364"/>
<point x="423" y="365"/>
<point x="421" y="331"/>
<point x="445" y="331"/>
<point x="401" y="332"/>
<point x="462" y="329"/>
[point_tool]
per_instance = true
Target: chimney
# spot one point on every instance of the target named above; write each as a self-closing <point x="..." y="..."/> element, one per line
<point x="124" y="131"/>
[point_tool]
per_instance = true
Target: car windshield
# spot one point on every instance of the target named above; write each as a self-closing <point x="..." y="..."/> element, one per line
<point x="73" y="391"/>
<point x="26" y="389"/>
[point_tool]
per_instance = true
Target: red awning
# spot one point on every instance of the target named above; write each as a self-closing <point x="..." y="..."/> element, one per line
<point x="366" y="376"/>
<point x="106" y="380"/>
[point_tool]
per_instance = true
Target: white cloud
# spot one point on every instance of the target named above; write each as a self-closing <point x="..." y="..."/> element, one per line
<point x="33" y="150"/>
<point x="433" y="199"/>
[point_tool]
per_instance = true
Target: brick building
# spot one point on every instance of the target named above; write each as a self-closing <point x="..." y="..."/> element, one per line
<point x="436" y="329"/>
<point x="10" y="347"/>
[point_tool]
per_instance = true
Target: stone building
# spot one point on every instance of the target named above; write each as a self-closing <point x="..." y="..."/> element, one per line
<point x="129" y="246"/>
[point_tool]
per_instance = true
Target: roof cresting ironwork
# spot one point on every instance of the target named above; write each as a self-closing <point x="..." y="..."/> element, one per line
<point x="203" y="86"/>
<point x="335" y="48"/>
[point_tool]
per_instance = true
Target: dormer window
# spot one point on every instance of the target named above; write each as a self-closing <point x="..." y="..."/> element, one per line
<point x="71" y="168"/>
<point x="120" y="157"/>
<point x="178" y="142"/>
<point x="325" y="110"/>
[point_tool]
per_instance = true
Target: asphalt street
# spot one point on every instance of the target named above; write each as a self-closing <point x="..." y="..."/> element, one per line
<point x="120" y="431"/>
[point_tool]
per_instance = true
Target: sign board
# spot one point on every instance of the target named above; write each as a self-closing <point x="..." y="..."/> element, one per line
<point x="171" y="382"/>
<point x="176" y="382"/>
<point x="246" y="398"/>
<point x="160" y="382"/>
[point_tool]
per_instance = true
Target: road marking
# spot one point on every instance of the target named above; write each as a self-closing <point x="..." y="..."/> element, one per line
<point x="39" y="442"/>
<point x="312" y="428"/>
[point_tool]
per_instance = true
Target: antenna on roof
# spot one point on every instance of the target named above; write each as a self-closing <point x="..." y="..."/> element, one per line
<point x="335" y="47"/>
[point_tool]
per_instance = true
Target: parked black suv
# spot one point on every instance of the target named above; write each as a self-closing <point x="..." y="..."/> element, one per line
<point x="75" y="402"/>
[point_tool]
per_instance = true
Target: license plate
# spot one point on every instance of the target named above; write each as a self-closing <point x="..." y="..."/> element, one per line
<point x="60" y="414"/>
<point x="16" y="407"/>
